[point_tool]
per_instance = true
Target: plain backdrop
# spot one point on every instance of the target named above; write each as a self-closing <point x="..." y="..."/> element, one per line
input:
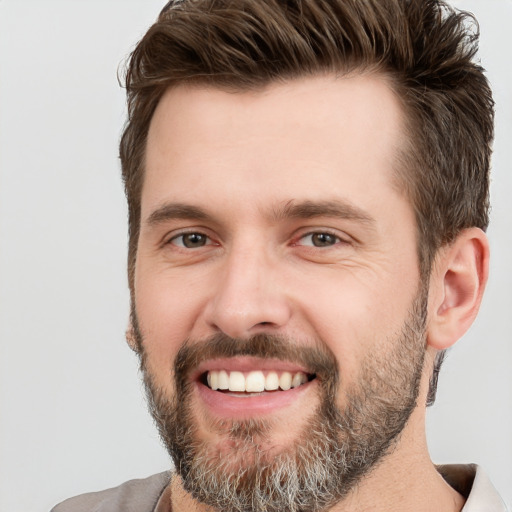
<point x="72" y="413"/>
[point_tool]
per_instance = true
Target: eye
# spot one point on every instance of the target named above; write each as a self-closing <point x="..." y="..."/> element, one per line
<point x="320" y="239"/>
<point x="190" y="240"/>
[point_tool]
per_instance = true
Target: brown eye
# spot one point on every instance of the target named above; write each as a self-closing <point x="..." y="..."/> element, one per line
<point x="190" y="240"/>
<point x="323" y="239"/>
<point x="320" y="239"/>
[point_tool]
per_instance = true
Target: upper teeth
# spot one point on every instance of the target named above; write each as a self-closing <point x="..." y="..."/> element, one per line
<point x="254" y="382"/>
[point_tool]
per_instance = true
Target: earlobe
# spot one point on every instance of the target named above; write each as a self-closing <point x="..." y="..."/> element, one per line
<point x="457" y="284"/>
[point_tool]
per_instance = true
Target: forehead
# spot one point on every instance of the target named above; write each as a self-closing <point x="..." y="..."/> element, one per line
<point x="294" y="140"/>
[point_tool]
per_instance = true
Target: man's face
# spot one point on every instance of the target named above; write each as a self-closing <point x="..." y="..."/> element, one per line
<point x="275" y="245"/>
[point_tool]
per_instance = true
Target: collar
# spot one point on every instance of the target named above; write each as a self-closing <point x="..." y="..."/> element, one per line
<point x="471" y="481"/>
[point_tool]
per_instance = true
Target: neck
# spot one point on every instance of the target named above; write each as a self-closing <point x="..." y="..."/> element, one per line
<point x="405" y="480"/>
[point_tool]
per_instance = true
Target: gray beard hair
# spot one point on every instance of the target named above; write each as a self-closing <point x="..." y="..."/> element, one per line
<point x="336" y="448"/>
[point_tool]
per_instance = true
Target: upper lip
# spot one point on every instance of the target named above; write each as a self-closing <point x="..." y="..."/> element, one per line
<point x="247" y="364"/>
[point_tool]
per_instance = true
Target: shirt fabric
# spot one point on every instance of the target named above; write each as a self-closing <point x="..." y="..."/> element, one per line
<point x="153" y="494"/>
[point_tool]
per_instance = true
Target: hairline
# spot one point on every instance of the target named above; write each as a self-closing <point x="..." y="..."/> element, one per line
<point x="402" y="179"/>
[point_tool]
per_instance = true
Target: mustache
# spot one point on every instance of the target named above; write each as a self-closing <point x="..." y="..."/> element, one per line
<point x="316" y="357"/>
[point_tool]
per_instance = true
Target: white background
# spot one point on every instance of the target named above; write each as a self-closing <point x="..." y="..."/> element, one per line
<point x="72" y="415"/>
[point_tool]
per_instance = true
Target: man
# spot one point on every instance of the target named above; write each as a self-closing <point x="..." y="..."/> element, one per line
<point x="307" y="185"/>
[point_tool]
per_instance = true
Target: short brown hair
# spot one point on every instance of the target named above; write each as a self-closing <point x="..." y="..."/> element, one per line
<point x="425" y="47"/>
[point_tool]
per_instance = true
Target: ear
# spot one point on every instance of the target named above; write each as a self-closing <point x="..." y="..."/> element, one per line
<point x="131" y="339"/>
<point x="457" y="284"/>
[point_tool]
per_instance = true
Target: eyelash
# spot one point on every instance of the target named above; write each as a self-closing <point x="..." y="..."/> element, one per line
<point x="336" y="239"/>
<point x="189" y="233"/>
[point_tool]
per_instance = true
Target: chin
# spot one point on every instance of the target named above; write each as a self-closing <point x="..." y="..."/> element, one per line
<point x="245" y="440"/>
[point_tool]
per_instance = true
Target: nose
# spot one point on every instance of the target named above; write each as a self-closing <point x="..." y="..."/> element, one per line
<point x="249" y="296"/>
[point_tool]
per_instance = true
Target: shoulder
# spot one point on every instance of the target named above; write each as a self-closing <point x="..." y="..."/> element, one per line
<point x="132" y="496"/>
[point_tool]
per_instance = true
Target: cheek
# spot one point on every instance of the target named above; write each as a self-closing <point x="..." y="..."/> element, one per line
<point x="355" y="315"/>
<point x="345" y="329"/>
<point x="165" y="312"/>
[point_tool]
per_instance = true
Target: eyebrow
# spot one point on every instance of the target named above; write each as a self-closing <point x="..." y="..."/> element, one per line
<point x="312" y="209"/>
<point x="290" y="210"/>
<point x="170" y="211"/>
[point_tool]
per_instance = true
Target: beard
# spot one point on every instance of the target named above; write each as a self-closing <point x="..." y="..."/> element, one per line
<point x="338" y="444"/>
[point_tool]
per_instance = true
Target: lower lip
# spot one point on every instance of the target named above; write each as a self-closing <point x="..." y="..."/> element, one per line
<point x="231" y="406"/>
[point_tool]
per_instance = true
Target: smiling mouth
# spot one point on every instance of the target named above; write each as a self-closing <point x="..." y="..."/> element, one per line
<point x="249" y="383"/>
